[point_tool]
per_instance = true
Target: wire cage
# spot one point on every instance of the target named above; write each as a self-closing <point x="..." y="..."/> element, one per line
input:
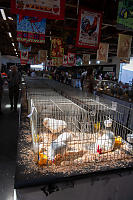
<point x="67" y="134"/>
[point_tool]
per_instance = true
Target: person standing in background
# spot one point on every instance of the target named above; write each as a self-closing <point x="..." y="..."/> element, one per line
<point x="14" y="80"/>
<point x="89" y="82"/>
<point x="83" y="75"/>
<point x="1" y="90"/>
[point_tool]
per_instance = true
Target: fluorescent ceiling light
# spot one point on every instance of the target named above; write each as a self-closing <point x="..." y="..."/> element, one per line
<point x="13" y="44"/>
<point x="10" y="35"/>
<point x="10" y="18"/>
<point x="3" y="14"/>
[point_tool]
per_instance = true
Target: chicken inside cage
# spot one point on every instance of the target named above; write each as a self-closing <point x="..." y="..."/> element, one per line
<point x="67" y="134"/>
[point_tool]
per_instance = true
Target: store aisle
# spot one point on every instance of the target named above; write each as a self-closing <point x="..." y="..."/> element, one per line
<point x="8" y="137"/>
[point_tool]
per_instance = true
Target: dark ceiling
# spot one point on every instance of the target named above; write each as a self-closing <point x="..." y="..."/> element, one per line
<point x="66" y="29"/>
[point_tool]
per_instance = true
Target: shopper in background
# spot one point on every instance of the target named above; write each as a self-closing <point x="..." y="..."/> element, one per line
<point x="1" y="90"/>
<point x="33" y="74"/>
<point x="14" y="80"/>
<point x="83" y="75"/>
<point x="89" y="82"/>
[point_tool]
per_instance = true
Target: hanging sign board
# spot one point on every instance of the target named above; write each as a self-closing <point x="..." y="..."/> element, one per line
<point x="30" y="29"/>
<point x="51" y="9"/>
<point x="89" y="29"/>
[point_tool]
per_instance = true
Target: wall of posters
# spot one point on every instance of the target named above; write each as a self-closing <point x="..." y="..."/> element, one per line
<point x="52" y="9"/>
<point x="30" y="29"/>
<point x="89" y="29"/>
<point x="124" y="46"/>
<point x="56" y="47"/>
<point x="42" y="56"/>
<point x="86" y="59"/>
<point x="71" y="58"/>
<point x="125" y="15"/>
<point x="102" y="52"/>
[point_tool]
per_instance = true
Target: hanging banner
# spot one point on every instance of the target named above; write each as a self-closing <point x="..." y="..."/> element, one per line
<point x="24" y="55"/>
<point x="124" y="46"/>
<point x="65" y="60"/>
<point x="36" y="59"/>
<point x="24" y="47"/>
<point x="125" y="15"/>
<point x="59" y="61"/>
<point x="42" y="56"/>
<point x="30" y="29"/>
<point x="102" y="52"/>
<point x="51" y="9"/>
<point x="86" y="59"/>
<point x="54" y="62"/>
<point x="71" y="58"/>
<point x="89" y="29"/>
<point x="56" y="47"/>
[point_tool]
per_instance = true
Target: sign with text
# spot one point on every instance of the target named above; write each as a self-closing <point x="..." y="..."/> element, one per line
<point x="51" y="9"/>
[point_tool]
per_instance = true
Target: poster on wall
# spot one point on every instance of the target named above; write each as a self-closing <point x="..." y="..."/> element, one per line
<point x="89" y="29"/>
<point x="42" y="56"/>
<point x="125" y="15"/>
<point x="56" y="47"/>
<point x="102" y="52"/>
<point x="24" y="55"/>
<point x="31" y="29"/>
<point x="86" y="59"/>
<point x="124" y="46"/>
<point x="51" y="9"/>
<point x="71" y="58"/>
<point x="65" y="60"/>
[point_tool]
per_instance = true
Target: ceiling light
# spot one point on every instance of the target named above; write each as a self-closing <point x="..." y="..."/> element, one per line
<point x="3" y="14"/>
<point x="98" y="62"/>
<point x="10" y="18"/>
<point x="10" y="35"/>
<point x="13" y="44"/>
<point x="14" y="49"/>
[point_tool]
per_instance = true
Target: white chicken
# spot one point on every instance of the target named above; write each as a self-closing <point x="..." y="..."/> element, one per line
<point x="105" y="143"/>
<point x="54" y="125"/>
<point x="59" y="144"/>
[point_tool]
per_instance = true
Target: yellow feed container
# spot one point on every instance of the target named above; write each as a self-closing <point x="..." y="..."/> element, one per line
<point x="97" y="126"/>
<point x="118" y="140"/>
<point x="42" y="159"/>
